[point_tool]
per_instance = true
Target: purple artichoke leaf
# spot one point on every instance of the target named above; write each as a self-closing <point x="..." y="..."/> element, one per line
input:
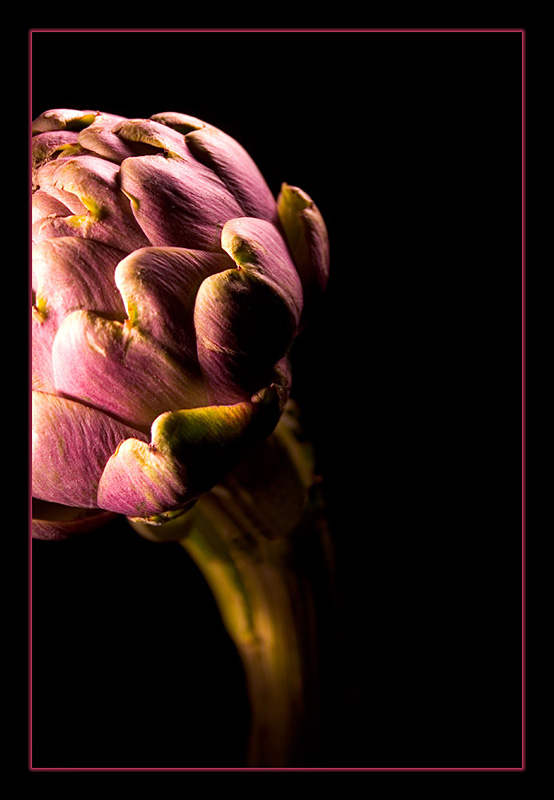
<point x="58" y="530"/>
<point x="46" y="180"/>
<point x="100" y="139"/>
<point x="154" y="135"/>
<point x="45" y="511"/>
<point x="190" y="451"/>
<point x="307" y="238"/>
<point x="114" y="366"/>
<point x="177" y="204"/>
<point x="234" y="166"/>
<point x="68" y="273"/>
<point x="183" y="123"/>
<point x="246" y="318"/>
<point x="71" y="445"/>
<point x="44" y="206"/>
<point x="243" y="327"/>
<point x="50" y="145"/>
<point x="89" y="186"/>
<point x="63" y="119"/>
<point x="159" y="287"/>
<point x="257" y="245"/>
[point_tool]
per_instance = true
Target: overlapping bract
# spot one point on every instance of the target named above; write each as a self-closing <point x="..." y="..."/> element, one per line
<point x="168" y="288"/>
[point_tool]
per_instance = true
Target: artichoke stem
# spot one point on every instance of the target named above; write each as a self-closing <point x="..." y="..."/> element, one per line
<point x="261" y="541"/>
<point x="267" y="603"/>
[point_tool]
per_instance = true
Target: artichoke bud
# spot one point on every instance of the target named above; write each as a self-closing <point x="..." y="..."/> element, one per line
<point x="168" y="288"/>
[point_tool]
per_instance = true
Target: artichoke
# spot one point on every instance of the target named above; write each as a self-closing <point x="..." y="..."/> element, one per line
<point x="168" y="287"/>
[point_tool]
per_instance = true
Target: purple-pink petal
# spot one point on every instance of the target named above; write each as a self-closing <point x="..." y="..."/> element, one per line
<point x="246" y="318"/>
<point x="154" y="135"/>
<point x="71" y="273"/>
<point x="71" y="446"/>
<point x="177" y="203"/>
<point x="243" y="327"/>
<point x="159" y="287"/>
<point x="230" y="161"/>
<point x="183" y="123"/>
<point x="89" y="186"/>
<point x="68" y="274"/>
<point x="257" y="245"/>
<point x="190" y="451"/>
<point x="308" y="240"/>
<point x="54" y="522"/>
<point x="47" y="180"/>
<point x="116" y="367"/>
<point x="49" y="145"/>
<point x="44" y="206"/>
<point x="100" y="138"/>
<point x="56" y="119"/>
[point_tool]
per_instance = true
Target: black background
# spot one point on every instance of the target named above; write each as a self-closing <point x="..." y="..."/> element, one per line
<point x="409" y="382"/>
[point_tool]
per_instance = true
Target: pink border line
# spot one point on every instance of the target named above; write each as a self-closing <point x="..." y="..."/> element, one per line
<point x="277" y="30"/>
<point x="29" y="444"/>
<point x="523" y="396"/>
<point x="523" y="404"/>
